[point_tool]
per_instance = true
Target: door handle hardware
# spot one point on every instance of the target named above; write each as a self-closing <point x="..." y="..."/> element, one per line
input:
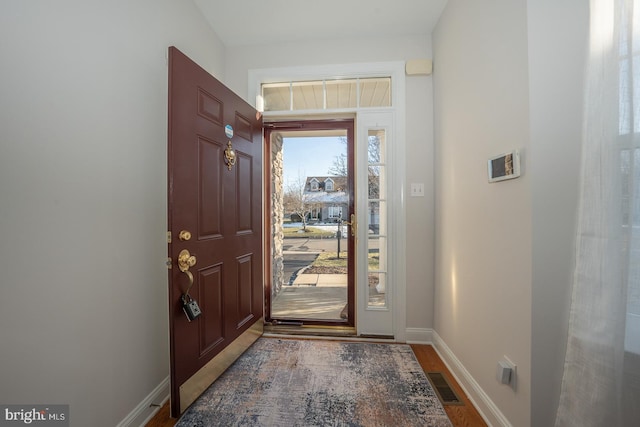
<point x="189" y="305"/>
<point x="186" y="260"/>
<point x="353" y="224"/>
<point x="229" y="156"/>
<point x="184" y="235"/>
<point x="190" y="276"/>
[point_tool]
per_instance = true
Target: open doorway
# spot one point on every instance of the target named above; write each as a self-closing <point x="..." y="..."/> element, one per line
<point x="311" y="216"/>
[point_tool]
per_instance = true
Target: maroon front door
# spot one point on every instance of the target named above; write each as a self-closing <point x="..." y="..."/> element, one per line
<point x="215" y="223"/>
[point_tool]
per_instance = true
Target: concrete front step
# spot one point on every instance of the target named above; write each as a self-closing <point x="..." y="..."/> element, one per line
<point x="321" y="280"/>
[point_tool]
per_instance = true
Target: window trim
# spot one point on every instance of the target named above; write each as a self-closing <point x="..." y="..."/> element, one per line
<point x="328" y="185"/>
<point x="393" y="69"/>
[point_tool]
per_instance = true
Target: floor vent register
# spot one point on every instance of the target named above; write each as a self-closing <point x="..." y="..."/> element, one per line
<point x="443" y="389"/>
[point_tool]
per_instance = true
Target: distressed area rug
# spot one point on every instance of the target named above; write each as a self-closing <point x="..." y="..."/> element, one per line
<point x="320" y="383"/>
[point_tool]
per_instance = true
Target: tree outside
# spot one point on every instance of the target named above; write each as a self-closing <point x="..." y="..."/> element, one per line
<point x="296" y="202"/>
<point x="339" y="166"/>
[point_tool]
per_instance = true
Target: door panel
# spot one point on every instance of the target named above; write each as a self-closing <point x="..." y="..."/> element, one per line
<point x="244" y="127"/>
<point x="210" y="299"/>
<point x="209" y="107"/>
<point x="245" y="290"/>
<point x="221" y="207"/>
<point x="243" y="203"/>
<point x="210" y="195"/>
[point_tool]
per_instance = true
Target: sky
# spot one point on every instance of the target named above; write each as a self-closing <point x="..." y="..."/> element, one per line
<point x="310" y="156"/>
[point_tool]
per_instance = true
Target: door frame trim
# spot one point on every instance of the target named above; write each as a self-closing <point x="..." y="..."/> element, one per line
<point x="395" y="69"/>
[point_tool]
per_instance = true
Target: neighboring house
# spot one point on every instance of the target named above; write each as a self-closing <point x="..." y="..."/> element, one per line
<point x="328" y="196"/>
<point x="327" y="201"/>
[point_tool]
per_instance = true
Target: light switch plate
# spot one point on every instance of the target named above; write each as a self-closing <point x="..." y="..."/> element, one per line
<point x="417" y="189"/>
<point x="503" y="372"/>
<point x="506" y="372"/>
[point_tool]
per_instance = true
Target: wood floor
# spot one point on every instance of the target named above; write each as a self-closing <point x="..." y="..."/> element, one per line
<point x="460" y="416"/>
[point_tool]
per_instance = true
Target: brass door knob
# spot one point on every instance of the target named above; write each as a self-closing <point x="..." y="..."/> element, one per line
<point x="186" y="260"/>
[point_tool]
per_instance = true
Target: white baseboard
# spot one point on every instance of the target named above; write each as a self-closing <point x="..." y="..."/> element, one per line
<point x="485" y="406"/>
<point x="419" y="335"/>
<point x="143" y="413"/>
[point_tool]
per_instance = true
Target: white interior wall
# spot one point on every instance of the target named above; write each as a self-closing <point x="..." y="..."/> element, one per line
<point x="483" y="231"/>
<point x="558" y="34"/>
<point x="83" y="190"/>
<point x="419" y="167"/>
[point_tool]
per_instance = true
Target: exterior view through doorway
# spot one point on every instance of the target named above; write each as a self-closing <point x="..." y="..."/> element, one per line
<point x="311" y="223"/>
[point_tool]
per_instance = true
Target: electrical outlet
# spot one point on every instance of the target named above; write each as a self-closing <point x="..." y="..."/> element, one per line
<point x="417" y="190"/>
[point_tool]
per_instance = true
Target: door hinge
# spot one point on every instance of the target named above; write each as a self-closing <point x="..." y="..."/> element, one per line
<point x="168" y="237"/>
<point x="169" y="263"/>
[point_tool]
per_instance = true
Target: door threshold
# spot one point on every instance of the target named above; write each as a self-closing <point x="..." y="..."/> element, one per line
<point x="341" y="333"/>
<point x="309" y="330"/>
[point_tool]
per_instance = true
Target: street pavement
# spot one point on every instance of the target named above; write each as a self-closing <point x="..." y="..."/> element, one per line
<point x="304" y="244"/>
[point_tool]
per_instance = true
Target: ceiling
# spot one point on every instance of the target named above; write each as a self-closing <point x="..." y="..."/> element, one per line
<point x="254" y="22"/>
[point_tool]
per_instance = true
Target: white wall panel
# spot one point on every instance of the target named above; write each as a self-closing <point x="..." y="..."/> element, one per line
<point x="83" y="190"/>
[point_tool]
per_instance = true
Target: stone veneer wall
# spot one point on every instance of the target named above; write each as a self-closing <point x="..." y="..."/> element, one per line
<point x="277" y="215"/>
